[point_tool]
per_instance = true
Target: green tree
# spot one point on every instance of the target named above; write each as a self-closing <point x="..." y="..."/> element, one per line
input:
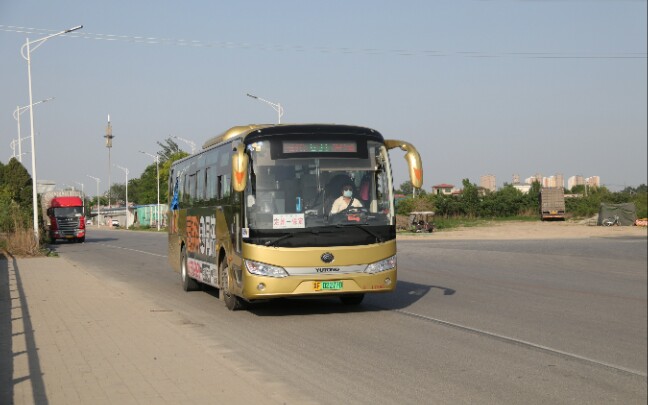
<point x="18" y="182"/>
<point x="405" y="188"/>
<point x="169" y="149"/>
<point x="470" y="198"/>
<point x="15" y="196"/>
<point x="143" y="190"/>
<point x="118" y="193"/>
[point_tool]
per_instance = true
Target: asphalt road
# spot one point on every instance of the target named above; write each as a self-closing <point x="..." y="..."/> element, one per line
<point x="552" y="321"/>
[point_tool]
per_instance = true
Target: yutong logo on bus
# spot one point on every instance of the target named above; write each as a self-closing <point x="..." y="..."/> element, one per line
<point x="326" y="269"/>
<point x="327" y="257"/>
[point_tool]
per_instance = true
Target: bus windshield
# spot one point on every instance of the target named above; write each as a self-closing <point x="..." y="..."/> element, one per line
<point x="303" y="193"/>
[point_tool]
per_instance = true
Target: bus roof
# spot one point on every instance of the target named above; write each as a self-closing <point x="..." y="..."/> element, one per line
<point x="254" y="130"/>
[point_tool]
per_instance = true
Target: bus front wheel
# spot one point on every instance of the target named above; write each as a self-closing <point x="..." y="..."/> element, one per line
<point x="188" y="283"/>
<point x="232" y="302"/>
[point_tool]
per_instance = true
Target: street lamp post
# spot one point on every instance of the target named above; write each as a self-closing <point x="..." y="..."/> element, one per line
<point x="109" y="136"/>
<point x="82" y="195"/>
<point x="126" y="173"/>
<point x="156" y="157"/>
<point x="98" y="205"/>
<point x="16" y="114"/>
<point x="188" y="142"/>
<point x="25" y="51"/>
<point x="12" y="144"/>
<point x="276" y="106"/>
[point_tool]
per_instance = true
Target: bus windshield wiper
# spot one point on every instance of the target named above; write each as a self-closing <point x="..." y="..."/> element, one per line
<point x="279" y="239"/>
<point x="290" y="235"/>
<point x="364" y="228"/>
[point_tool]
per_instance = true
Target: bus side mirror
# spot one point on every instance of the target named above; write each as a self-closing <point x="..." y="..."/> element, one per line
<point x="413" y="160"/>
<point x="239" y="168"/>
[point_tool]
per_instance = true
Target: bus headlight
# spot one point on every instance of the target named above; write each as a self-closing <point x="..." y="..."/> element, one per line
<point x="262" y="269"/>
<point x="382" y="265"/>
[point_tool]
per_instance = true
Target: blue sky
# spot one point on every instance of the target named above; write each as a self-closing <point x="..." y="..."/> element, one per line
<point x="479" y="87"/>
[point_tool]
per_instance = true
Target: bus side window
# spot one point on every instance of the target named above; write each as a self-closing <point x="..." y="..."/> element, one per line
<point x="180" y="191"/>
<point x="200" y="185"/>
<point x="227" y="186"/>
<point x="185" y="192"/>
<point x="223" y="186"/>
<point x="210" y="183"/>
<point x="192" y="189"/>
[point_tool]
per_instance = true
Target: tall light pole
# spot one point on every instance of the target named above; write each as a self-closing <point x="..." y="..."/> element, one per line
<point x="276" y="106"/>
<point x="82" y="195"/>
<point x="109" y="136"/>
<point x="98" y="204"/>
<point x="16" y="114"/>
<point x="12" y="144"/>
<point x="188" y="142"/>
<point x="25" y="51"/>
<point x="156" y="157"/>
<point x="126" y="173"/>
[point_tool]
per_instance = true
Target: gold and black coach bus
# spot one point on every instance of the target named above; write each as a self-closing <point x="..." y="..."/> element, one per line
<point x="250" y="214"/>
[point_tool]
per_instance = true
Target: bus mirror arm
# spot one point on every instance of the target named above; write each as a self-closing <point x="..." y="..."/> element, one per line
<point x="239" y="168"/>
<point x="413" y="160"/>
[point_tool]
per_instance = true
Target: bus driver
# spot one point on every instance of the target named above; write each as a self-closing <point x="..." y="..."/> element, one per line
<point x="345" y="201"/>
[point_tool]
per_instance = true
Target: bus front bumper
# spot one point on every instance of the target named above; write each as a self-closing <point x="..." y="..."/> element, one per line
<point x="260" y="287"/>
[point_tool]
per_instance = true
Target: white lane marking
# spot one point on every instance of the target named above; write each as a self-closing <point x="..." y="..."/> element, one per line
<point x="134" y="250"/>
<point x="525" y="343"/>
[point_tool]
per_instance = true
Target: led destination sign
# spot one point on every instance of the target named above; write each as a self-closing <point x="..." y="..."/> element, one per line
<point x="319" y="147"/>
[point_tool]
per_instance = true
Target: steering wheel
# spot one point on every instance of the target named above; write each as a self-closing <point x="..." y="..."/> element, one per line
<point x="352" y="211"/>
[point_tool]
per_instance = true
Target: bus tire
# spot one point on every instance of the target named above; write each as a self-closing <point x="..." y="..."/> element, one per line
<point x="188" y="283"/>
<point x="352" y="299"/>
<point x="232" y="302"/>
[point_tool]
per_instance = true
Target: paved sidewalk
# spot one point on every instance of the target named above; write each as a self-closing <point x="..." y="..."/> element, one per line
<point x="66" y="337"/>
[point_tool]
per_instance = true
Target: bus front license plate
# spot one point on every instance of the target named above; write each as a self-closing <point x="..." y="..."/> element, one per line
<point x="327" y="285"/>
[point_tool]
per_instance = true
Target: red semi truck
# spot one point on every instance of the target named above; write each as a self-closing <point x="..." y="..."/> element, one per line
<point x="63" y="214"/>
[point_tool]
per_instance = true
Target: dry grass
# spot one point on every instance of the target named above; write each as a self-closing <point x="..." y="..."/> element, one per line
<point x="21" y="241"/>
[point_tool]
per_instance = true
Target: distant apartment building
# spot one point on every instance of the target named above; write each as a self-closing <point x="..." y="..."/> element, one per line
<point x="575" y="181"/>
<point x="524" y="188"/>
<point x="516" y="179"/>
<point x="556" y="181"/>
<point x="594" y="181"/>
<point x="536" y="178"/>
<point x="549" y="182"/>
<point x="488" y="182"/>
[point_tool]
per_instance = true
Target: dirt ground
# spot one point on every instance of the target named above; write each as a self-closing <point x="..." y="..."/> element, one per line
<point x="531" y="230"/>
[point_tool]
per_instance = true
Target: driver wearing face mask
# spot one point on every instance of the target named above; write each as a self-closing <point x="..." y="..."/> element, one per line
<point x="346" y="200"/>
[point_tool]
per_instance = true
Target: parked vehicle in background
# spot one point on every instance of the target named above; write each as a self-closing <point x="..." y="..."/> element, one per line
<point x="64" y="216"/>
<point x="421" y="221"/>
<point x="115" y="223"/>
<point x="552" y="203"/>
<point x="611" y="221"/>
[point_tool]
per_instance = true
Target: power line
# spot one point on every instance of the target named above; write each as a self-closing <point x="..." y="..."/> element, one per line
<point x="146" y="40"/>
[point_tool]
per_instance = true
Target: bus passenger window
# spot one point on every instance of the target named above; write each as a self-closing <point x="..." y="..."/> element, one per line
<point x="227" y="186"/>
<point x="210" y="183"/>
<point x="200" y="186"/>
<point x="224" y="185"/>
<point x="185" y="192"/>
<point x="192" y="188"/>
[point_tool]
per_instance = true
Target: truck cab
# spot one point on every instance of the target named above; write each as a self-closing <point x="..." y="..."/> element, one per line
<point x="66" y="219"/>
